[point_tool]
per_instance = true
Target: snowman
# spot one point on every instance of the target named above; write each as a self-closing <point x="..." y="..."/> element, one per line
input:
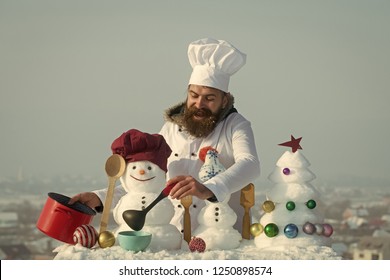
<point x="216" y="219"/>
<point x="216" y="222"/>
<point x="143" y="180"/>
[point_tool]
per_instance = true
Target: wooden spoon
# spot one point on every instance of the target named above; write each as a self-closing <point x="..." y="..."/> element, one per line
<point x="115" y="167"/>
<point x="186" y="202"/>
<point x="247" y="200"/>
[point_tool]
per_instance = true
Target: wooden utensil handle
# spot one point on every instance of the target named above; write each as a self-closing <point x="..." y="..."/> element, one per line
<point x="107" y="205"/>
<point x="246" y="223"/>
<point x="187" y="225"/>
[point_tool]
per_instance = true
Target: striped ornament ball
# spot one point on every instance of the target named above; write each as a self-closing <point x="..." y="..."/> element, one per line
<point x="85" y="235"/>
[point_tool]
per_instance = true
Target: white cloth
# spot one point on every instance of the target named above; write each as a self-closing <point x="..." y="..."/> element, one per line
<point x="213" y="62"/>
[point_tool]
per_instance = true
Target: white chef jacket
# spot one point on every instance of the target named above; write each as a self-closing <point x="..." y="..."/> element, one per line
<point x="233" y="139"/>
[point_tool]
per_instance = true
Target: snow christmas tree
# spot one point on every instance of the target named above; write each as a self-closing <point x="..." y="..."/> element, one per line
<point x="291" y="213"/>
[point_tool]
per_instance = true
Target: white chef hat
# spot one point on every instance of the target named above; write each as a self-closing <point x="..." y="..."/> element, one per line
<point x="213" y="62"/>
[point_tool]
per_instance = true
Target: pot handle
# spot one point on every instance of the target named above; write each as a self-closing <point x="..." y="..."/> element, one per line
<point x="63" y="211"/>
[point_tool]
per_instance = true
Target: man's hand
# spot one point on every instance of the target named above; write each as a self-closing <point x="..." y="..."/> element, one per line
<point x="88" y="198"/>
<point x="187" y="185"/>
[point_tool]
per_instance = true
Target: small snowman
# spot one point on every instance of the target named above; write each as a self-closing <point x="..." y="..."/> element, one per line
<point x="216" y="222"/>
<point x="144" y="178"/>
<point x="216" y="219"/>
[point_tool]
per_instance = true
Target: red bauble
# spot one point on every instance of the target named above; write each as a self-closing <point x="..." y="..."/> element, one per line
<point x="197" y="244"/>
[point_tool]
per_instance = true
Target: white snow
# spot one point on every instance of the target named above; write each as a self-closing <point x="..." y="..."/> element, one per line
<point x="246" y="251"/>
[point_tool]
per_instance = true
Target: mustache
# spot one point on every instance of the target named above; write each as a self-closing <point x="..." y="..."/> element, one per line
<point x="203" y="112"/>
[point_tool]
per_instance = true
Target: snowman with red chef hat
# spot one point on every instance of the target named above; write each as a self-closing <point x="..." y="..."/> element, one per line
<point x="143" y="180"/>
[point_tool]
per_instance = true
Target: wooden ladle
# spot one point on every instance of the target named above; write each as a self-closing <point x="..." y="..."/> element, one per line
<point x="136" y="218"/>
<point x="115" y="167"/>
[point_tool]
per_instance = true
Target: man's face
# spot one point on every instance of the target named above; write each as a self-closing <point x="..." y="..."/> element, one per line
<point x="204" y="106"/>
<point x="205" y="99"/>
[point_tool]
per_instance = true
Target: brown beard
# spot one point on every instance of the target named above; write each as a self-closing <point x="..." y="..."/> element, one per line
<point x="200" y="128"/>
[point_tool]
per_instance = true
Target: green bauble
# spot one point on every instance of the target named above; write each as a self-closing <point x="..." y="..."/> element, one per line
<point x="271" y="230"/>
<point x="311" y="204"/>
<point x="290" y="205"/>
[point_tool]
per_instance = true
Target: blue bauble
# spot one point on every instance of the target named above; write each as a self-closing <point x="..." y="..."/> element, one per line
<point x="291" y="231"/>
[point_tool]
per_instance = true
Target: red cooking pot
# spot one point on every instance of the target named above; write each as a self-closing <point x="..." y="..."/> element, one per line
<point x="59" y="220"/>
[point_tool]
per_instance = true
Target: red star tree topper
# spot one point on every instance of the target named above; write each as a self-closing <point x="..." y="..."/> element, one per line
<point x="293" y="144"/>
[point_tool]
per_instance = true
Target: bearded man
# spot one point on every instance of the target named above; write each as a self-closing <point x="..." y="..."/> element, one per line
<point x="206" y="118"/>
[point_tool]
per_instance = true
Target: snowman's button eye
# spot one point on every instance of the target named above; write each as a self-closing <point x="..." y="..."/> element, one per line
<point x="176" y="154"/>
<point x="179" y="205"/>
<point x="182" y="231"/>
<point x="149" y="168"/>
<point x="194" y="205"/>
<point x="134" y="167"/>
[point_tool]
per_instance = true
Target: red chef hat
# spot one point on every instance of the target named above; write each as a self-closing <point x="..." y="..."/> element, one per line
<point x="134" y="145"/>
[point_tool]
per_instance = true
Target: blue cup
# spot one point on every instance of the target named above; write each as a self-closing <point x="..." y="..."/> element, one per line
<point x="134" y="240"/>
